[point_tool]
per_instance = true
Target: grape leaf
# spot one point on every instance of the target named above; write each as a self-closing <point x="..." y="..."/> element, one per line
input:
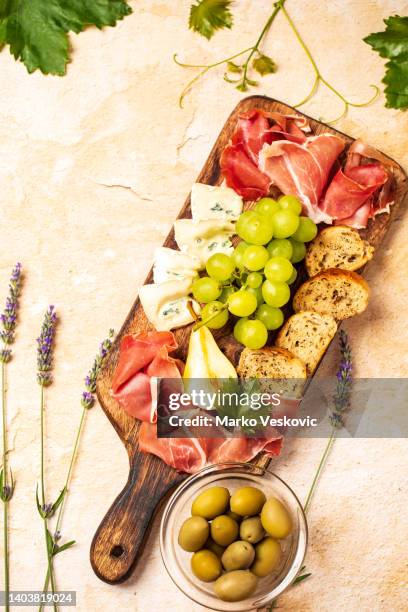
<point x="392" y="44"/>
<point x="37" y="30"/>
<point x="264" y="65"/>
<point x="210" y="15"/>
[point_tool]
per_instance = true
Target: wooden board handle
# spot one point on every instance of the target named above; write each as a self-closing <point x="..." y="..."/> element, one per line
<point x="119" y="540"/>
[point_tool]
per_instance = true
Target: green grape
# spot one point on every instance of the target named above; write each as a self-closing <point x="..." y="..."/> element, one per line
<point x="225" y="293"/>
<point x="254" y="228"/>
<point x="255" y="258"/>
<point x="257" y="292"/>
<point x="293" y="277"/>
<point x="254" y="280"/>
<point x="275" y="293"/>
<point x="253" y="334"/>
<point x="267" y="207"/>
<point x="238" y="328"/>
<point x="289" y="202"/>
<point x="238" y="254"/>
<point x="271" y="317"/>
<point x="285" y="223"/>
<point x="280" y="247"/>
<point x="220" y="266"/>
<point x="278" y="269"/>
<point x="306" y="231"/>
<point x="209" y="310"/>
<point x="206" y="289"/>
<point x="299" y="251"/>
<point x="242" y="303"/>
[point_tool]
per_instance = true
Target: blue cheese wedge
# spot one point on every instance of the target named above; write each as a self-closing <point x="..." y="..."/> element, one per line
<point x="204" y="238"/>
<point x="214" y="202"/>
<point x="165" y="304"/>
<point x="174" y="265"/>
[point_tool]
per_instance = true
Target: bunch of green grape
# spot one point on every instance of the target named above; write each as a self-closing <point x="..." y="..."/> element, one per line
<point x="253" y="283"/>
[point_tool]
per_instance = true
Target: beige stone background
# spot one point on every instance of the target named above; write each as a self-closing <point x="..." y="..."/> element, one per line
<point x="93" y="170"/>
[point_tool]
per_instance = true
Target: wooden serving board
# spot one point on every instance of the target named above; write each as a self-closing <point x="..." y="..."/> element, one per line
<point x="119" y="540"/>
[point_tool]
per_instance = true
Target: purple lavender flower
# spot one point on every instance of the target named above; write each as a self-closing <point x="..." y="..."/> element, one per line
<point x="341" y="396"/>
<point x="88" y="396"/>
<point x="45" y="345"/>
<point x="9" y="317"/>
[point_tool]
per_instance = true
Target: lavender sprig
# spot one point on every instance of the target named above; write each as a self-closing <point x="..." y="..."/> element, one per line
<point x="9" y="317"/>
<point x="87" y="401"/>
<point x="7" y="336"/>
<point x="341" y="400"/>
<point x="45" y="345"/>
<point x="88" y="396"/>
<point x="341" y="396"/>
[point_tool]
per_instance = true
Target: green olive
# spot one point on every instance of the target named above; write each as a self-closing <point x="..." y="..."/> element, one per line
<point x="276" y="519"/>
<point x="206" y="565"/>
<point x="216" y="548"/>
<point x="211" y="503"/>
<point x="238" y="555"/>
<point x="193" y="533"/>
<point x="236" y="586"/>
<point x="267" y="557"/>
<point x="251" y="530"/>
<point x="235" y="516"/>
<point x="247" y="501"/>
<point x="224" y="530"/>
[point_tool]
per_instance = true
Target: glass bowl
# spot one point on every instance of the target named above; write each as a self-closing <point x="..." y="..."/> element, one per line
<point x="233" y="476"/>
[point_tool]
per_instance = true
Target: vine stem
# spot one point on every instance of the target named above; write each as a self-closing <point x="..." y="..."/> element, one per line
<point x="250" y="50"/>
<point x="67" y="482"/>
<point x="45" y="521"/>
<point x="319" y="78"/>
<point x="5" y="483"/>
<point x="319" y="470"/>
<point x="264" y="31"/>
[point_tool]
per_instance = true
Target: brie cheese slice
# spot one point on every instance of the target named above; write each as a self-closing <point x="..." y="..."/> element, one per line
<point x="214" y="202"/>
<point x="174" y="265"/>
<point x="165" y="304"/>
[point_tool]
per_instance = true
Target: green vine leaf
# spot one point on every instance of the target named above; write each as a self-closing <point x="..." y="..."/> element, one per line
<point x="232" y="67"/>
<point x="264" y="65"/>
<point x="392" y="44"/>
<point x="37" y="31"/>
<point x="208" y="16"/>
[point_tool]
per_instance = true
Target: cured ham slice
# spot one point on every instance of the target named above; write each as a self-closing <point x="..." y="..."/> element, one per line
<point x="303" y="169"/>
<point x="240" y="159"/>
<point x="243" y="449"/>
<point x="360" y="190"/>
<point x="241" y="174"/>
<point x="143" y="358"/>
<point x="351" y="188"/>
<point x="183" y="454"/>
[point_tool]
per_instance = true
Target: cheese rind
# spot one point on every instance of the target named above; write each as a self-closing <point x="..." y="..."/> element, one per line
<point x="214" y="202"/>
<point x="170" y="264"/>
<point x="204" y="238"/>
<point x="165" y="304"/>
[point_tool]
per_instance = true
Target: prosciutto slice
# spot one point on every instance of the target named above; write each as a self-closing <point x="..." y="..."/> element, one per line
<point x="303" y="169"/>
<point x="240" y="159"/>
<point x="142" y="359"/>
<point x="183" y="454"/>
<point x="360" y="190"/>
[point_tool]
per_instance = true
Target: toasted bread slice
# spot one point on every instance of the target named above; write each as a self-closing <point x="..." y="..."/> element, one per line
<point x="270" y="362"/>
<point x="337" y="247"/>
<point x="307" y="335"/>
<point x="339" y="293"/>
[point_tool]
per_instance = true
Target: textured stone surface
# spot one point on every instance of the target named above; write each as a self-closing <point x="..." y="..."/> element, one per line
<point x="93" y="169"/>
